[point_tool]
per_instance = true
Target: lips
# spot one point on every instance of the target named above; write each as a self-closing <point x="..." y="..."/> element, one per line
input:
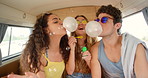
<point x="81" y="28"/>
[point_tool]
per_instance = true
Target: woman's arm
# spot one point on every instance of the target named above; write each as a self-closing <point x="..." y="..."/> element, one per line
<point x="70" y="65"/>
<point x="27" y="75"/>
<point x="40" y="74"/>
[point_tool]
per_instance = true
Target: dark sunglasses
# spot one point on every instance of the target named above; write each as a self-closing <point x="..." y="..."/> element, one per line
<point x="103" y="19"/>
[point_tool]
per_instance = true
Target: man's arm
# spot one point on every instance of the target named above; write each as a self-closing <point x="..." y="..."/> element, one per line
<point x="95" y="64"/>
<point x="141" y="64"/>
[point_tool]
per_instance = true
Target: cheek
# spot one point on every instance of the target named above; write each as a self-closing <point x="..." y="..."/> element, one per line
<point x="106" y="28"/>
<point x="51" y="29"/>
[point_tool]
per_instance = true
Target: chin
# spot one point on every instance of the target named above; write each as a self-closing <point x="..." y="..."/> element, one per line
<point x="81" y="34"/>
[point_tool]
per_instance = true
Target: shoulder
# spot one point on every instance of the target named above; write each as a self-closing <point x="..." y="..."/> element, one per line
<point x="94" y="48"/>
<point x="140" y="48"/>
<point x="130" y="38"/>
<point x="141" y="53"/>
<point x="43" y="60"/>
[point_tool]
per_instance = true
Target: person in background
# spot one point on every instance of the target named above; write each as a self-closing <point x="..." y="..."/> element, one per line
<point x="45" y="54"/>
<point x="79" y="63"/>
<point x="119" y="55"/>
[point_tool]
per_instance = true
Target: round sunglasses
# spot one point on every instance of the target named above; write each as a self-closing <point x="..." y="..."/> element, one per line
<point x="103" y="19"/>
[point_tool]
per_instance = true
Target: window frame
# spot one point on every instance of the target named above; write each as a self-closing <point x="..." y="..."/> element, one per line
<point x="15" y="55"/>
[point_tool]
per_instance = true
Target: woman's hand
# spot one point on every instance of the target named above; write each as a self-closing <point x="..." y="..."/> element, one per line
<point x="72" y="42"/>
<point x="70" y="65"/>
<point x="27" y="75"/>
<point x="86" y="56"/>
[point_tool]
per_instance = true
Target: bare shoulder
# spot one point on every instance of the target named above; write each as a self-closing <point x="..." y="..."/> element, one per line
<point x="94" y="49"/>
<point x="43" y="60"/>
<point x="140" y="50"/>
<point x="95" y="46"/>
<point x="141" y="63"/>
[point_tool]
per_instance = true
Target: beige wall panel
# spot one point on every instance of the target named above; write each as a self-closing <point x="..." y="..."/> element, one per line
<point x="88" y="11"/>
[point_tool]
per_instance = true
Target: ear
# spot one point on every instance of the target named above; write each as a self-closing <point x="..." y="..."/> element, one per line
<point x="47" y="30"/>
<point x="118" y="25"/>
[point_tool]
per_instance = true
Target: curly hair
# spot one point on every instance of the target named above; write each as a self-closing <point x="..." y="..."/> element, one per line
<point x="80" y="63"/>
<point x="38" y="42"/>
<point x="113" y="11"/>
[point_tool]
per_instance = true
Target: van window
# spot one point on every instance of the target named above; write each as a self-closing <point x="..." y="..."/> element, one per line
<point x="136" y="25"/>
<point x="14" y="40"/>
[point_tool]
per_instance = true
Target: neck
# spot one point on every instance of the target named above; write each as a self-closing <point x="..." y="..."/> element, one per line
<point x="112" y="40"/>
<point x="81" y="41"/>
<point x="54" y="45"/>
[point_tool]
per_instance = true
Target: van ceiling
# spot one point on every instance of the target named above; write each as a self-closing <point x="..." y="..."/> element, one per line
<point x="36" y="7"/>
<point x="24" y="12"/>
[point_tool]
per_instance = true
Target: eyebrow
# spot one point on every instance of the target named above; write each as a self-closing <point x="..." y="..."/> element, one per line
<point x="56" y="19"/>
<point x="107" y="16"/>
<point x="82" y="19"/>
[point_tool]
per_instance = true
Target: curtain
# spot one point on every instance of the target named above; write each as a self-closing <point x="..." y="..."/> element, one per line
<point x="3" y="28"/>
<point x="145" y="13"/>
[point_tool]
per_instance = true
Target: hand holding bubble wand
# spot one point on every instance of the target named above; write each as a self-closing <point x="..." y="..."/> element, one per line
<point x="84" y="49"/>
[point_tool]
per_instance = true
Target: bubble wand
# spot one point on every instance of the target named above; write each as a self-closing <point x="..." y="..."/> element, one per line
<point x="79" y="37"/>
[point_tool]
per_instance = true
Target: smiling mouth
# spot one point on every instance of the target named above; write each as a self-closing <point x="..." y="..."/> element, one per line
<point x="81" y="28"/>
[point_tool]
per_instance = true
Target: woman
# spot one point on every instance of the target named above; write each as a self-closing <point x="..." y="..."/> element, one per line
<point x="46" y="52"/>
<point x="79" y="65"/>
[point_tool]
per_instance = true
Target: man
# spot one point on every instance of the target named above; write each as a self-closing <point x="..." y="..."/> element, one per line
<point x="117" y="55"/>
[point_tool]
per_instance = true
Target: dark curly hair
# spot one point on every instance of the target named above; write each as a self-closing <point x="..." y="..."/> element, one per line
<point x="38" y="42"/>
<point x="113" y="11"/>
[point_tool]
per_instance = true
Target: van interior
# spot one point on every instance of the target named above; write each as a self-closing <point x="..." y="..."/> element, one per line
<point x="23" y="13"/>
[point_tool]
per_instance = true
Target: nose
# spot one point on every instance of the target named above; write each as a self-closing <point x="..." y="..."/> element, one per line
<point x="100" y="22"/>
<point x="81" y="24"/>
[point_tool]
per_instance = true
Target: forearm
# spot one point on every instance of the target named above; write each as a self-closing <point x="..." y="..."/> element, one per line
<point x="88" y="63"/>
<point x="95" y="69"/>
<point x="70" y="65"/>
